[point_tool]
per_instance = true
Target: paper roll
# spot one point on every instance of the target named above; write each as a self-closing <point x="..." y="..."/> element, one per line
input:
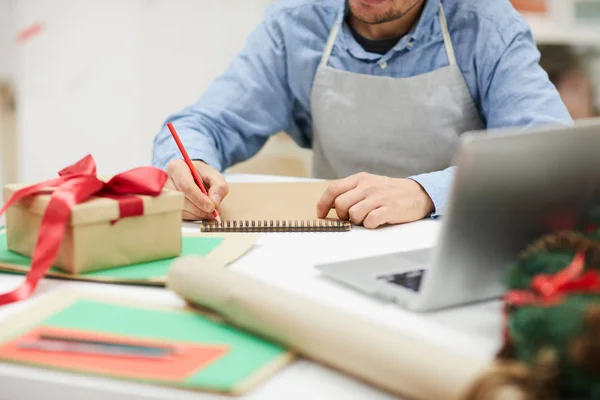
<point x="375" y="353"/>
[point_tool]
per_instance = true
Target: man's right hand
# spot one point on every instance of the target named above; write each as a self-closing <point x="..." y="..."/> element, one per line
<point x="197" y="205"/>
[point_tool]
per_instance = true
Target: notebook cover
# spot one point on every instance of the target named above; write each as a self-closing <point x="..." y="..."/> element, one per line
<point x="274" y="201"/>
<point x="247" y="361"/>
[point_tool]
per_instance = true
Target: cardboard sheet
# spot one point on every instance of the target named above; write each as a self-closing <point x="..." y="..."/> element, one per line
<point x="382" y="356"/>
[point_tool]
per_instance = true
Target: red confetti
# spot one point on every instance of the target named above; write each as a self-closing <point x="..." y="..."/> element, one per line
<point x="29" y="33"/>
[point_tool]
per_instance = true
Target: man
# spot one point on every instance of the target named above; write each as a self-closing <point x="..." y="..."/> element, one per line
<point x="379" y="89"/>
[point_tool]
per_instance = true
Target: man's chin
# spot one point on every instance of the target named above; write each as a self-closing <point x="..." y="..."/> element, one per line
<point x="370" y="19"/>
<point x="375" y="13"/>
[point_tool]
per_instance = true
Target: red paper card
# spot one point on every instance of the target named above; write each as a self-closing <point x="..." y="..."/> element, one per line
<point x="190" y="359"/>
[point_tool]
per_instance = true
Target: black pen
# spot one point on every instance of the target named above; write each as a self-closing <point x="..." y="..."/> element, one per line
<point x="161" y="350"/>
<point x="59" y="346"/>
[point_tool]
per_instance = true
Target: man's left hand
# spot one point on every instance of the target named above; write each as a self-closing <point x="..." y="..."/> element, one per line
<point x="373" y="200"/>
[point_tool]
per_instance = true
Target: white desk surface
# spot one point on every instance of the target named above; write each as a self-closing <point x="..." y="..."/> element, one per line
<point x="286" y="260"/>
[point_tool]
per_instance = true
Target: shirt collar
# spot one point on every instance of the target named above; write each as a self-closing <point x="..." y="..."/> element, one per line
<point x="418" y="32"/>
<point x="429" y="14"/>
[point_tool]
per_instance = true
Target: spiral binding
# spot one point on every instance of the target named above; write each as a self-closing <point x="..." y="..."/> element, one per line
<point x="276" y="226"/>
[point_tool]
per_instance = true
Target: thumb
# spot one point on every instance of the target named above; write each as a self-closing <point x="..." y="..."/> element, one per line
<point x="218" y="188"/>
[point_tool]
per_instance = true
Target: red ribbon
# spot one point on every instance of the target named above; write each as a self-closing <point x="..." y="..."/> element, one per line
<point x="550" y="290"/>
<point x="76" y="184"/>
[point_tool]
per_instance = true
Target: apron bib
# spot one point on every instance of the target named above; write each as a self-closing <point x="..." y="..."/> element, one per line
<point x="396" y="127"/>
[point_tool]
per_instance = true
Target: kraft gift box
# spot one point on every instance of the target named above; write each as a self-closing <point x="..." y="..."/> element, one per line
<point x="96" y="237"/>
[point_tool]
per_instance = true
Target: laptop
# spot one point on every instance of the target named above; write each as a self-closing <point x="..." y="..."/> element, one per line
<point x="511" y="186"/>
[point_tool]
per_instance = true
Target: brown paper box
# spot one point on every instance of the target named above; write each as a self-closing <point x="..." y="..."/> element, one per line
<point x="92" y="241"/>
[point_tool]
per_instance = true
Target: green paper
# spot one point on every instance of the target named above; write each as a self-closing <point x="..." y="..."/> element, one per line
<point x="191" y="245"/>
<point x="248" y="355"/>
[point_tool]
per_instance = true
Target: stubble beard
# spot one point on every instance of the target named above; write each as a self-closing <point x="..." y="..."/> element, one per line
<point x="388" y="16"/>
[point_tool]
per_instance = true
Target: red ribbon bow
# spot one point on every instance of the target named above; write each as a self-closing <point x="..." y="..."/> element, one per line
<point x="550" y="290"/>
<point x="76" y="184"/>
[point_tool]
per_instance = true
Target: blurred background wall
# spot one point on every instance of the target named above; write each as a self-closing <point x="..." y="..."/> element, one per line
<point x="7" y="114"/>
<point x="100" y="76"/>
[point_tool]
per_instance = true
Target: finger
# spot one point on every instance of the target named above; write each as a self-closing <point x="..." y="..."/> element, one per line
<point x="190" y="212"/>
<point x="218" y="187"/>
<point x="195" y="212"/>
<point x="184" y="182"/>
<point x="169" y="184"/>
<point x="359" y="211"/>
<point x="375" y="218"/>
<point x="335" y="189"/>
<point x="186" y="216"/>
<point x="345" y="201"/>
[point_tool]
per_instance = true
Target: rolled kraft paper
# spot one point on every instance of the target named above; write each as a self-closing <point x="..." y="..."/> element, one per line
<point x="381" y="356"/>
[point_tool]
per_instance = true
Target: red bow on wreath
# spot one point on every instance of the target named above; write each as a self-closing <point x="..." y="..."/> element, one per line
<point x="76" y="184"/>
<point x="550" y="290"/>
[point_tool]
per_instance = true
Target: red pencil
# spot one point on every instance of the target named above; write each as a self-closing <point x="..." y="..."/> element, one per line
<point x="191" y="166"/>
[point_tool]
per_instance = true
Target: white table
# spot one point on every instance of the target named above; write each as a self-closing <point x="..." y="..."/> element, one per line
<point x="474" y="330"/>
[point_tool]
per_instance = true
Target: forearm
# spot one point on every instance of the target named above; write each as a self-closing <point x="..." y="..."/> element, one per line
<point x="216" y="143"/>
<point x="199" y="144"/>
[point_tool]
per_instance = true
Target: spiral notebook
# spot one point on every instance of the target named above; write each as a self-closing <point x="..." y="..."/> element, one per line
<point x="274" y="207"/>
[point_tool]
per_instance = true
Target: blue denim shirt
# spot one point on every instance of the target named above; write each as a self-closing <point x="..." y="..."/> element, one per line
<point x="267" y="87"/>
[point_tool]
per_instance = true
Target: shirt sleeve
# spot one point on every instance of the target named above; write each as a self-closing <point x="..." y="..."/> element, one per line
<point x="239" y="111"/>
<point x="515" y="91"/>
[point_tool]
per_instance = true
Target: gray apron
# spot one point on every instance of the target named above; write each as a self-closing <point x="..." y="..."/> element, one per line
<point x="397" y="127"/>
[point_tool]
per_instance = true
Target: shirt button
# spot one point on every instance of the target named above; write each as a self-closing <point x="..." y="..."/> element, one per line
<point x="411" y="43"/>
<point x="383" y="65"/>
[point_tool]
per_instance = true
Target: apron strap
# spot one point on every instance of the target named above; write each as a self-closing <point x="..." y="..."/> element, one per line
<point x="447" y="39"/>
<point x="329" y="45"/>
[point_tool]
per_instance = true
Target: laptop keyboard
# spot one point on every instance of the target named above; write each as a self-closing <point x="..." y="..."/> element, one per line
<point x="409" y="279"/>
